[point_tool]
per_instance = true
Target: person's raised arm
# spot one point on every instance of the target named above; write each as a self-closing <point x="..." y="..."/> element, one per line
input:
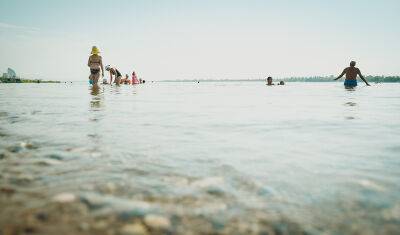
<point x="341" y="75"/>
<point x="362" y="77"/>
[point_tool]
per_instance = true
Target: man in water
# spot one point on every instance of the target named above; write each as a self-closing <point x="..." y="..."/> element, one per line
<point x="269" y="81"/>
<point x="351" y="75"/>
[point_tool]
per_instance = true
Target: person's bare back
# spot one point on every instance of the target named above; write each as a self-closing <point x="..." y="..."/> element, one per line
<point x="351" y="74"/>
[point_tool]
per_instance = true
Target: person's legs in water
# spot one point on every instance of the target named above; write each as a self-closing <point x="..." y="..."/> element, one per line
<point x="94" y="75"/>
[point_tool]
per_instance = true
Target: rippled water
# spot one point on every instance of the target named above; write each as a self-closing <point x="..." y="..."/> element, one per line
<point x="314" y="154"/>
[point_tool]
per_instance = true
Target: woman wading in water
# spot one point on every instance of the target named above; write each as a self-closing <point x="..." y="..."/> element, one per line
<point x="95" y="63"/>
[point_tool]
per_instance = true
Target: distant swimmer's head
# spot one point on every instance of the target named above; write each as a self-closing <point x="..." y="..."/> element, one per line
<point x="108" y="67"/>
<point x="352" y="63"/>
<point x="95" y="50"/>
<point x="269" y="80"/>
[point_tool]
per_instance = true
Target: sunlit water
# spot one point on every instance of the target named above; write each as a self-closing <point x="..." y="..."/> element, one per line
<point x="314" y="154"/>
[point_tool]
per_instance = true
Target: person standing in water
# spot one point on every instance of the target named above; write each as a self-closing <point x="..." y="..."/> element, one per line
<point x="95" y="63"/>
<point x="114" y="72"/>
<point x="351" y="75"/>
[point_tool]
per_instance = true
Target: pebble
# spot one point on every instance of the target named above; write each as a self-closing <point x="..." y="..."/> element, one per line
<point x="133" y="229"/>
<point x="55" y="156"/>
<point x="7" y="190"/>
<point x="42" y="216"/>
<point x="84" y="226"/>
<point x="100" y="225"/>
<point x="48" y="162"/>
<point x="64" y="198"/>
<point x="157" y="221"/>
<point x="22" y="179"/>
<point x="15" y="149"/>
<point x="28" y="145"/>
<point x="3" y="155"/>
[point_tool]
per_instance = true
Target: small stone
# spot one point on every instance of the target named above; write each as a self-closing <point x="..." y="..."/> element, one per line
<point x="133" y="229"/>
<point x="157" y="221"/>
<point x="100" y="225"/>
<point x="3" y="155"/>
<point x="55" y="156"/>
<point x="27" y="145"/>
<point x="42" y="216"/>
<point x="84" y="226"/>
<point x="29" y="230"/>
<point x="14" y="149"/>
<point x="7" y="190"/>
<point x="64" y="198"/>
<point x="48" y="162"/>
<point x="22" y="179"/>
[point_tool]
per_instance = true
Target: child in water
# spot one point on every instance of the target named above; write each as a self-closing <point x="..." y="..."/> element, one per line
<point x="134" y="78"/>
<point x="126" y="80"/>
<point x="95" y="63"/>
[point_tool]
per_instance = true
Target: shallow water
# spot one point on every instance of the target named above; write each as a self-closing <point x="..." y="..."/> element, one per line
<point x="313" y="154"/>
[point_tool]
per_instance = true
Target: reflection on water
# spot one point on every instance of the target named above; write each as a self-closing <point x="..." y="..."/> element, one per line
<point x="97" y="96"/>
<point x="233" y="159"/>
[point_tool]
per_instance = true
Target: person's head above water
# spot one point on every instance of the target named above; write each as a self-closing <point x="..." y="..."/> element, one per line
<point x="95" y="50"/>
<point x="352" y="63"/>
<point x="269" y="80"/>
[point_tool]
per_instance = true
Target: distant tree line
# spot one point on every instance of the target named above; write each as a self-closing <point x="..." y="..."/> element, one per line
<point x="21" y="80"/>
<point x="369" y="78"/>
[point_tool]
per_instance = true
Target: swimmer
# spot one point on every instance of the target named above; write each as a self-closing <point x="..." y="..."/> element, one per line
<point x="269" y="81"/>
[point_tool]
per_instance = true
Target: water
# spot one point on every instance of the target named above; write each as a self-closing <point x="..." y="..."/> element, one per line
<point x="311" y="154"/>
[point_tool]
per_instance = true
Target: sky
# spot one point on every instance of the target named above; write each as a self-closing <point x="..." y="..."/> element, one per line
<point x="203" y="39"/>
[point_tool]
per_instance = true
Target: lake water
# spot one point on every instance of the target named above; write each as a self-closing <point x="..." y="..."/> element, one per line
<point x="209" y="157"/>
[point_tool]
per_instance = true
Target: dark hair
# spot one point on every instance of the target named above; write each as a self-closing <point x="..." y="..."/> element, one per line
<point x="352" y="63"/>
<point x="269" y="77"/>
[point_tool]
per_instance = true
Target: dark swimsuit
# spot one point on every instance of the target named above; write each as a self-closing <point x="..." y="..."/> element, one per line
<point x="94" y="71"/>
<point x="118" y="73"/>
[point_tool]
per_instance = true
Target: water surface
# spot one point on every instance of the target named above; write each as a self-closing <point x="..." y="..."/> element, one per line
<point x="313" y="154"/>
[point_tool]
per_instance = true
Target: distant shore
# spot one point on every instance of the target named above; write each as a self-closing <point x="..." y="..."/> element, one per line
<point x="21" y="80"/>
<point x="373" y="79"/>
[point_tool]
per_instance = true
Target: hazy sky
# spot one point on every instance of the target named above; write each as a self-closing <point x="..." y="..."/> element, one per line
<point x="178" y="39"/>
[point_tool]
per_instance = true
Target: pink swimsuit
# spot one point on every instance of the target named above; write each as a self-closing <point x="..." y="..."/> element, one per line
<point x="134" y="79"/>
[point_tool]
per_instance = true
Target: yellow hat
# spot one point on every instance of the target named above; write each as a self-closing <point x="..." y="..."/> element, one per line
<point x="95" y="50"/>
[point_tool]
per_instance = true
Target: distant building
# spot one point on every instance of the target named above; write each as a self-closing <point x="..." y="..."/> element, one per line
<point x="10" y="74"/>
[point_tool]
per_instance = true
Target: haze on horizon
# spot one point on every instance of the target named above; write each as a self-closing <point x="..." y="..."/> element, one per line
<point x="200" y="39"/>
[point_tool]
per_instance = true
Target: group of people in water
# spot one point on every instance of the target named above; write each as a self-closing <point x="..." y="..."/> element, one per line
<point x="350" y="81"/>
<point x="95" y="63"/>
